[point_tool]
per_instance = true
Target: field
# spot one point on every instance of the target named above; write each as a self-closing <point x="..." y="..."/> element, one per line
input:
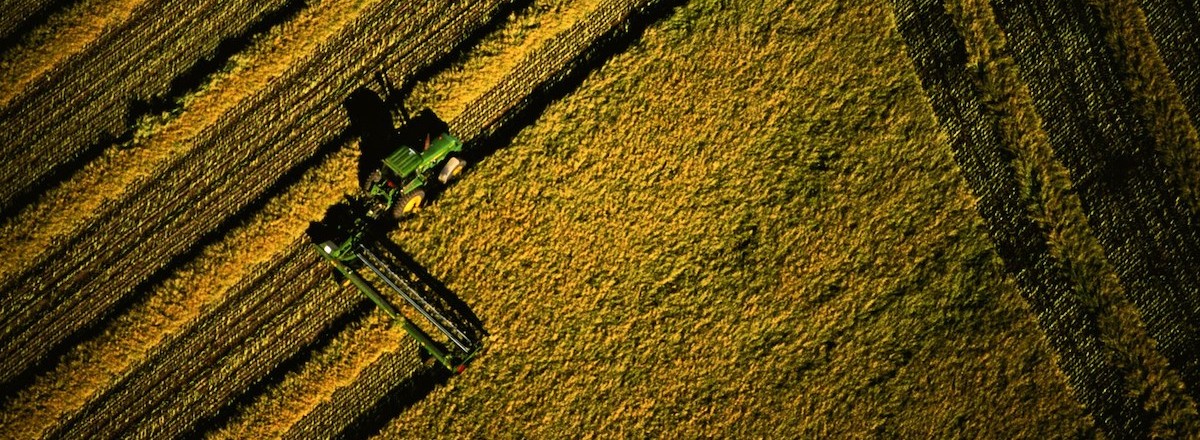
<point x="900" y="218"/>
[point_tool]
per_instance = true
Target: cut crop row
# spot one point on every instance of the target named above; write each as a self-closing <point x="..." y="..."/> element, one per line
<point x="1089" y="114"/>
<point x="378" y="393"/>
<point x="274" y="406"/>
<point x="298" y="391"/>
<point x="1157" y="99"/>
<point x="1174" y="26"/>
<point x="506" y="98"/>
<point x="78" y="103"/>
<point x="940" y="57"/>
<point x="259" y="326"/>
<point x="157" y="215"/>
<point x="18" y="14"/>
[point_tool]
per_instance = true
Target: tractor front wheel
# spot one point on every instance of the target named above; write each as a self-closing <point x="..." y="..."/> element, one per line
<point x="450" y="171"/>
<point x="408" y="204"/>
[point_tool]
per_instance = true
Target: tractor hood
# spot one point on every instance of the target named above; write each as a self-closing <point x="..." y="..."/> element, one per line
<point x="405" y="161"/>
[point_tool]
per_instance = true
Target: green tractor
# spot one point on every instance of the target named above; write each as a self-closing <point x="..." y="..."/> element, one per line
<point x="395" y="189"/>
<point x="399" y="185"/>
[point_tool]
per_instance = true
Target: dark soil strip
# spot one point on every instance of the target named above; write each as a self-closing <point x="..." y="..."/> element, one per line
<point x="20" y="17"/>
<point x="939" y="56"/>
<point x="265" y="321"/>
<point x="195" y="349"/>
<point x="1175" y="25"/>
<point x="1075" y="80"/>
<point x="322" y="304"/>
<point x="291" y="366"/>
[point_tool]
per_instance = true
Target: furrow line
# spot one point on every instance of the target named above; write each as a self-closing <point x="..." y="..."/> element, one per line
<point x="1150" y="237"/>
<point x="194" y="352"/>
<point x="502" y="100"/>
<point x="17" y="15"/>
<point x="142" y="65"/>
<point x="64" y="36"/>
<point x="939" y="56"/>
<point x="1157" y="98"/>
<point x="396" y="375"/>
<point x="1174" y="25"/>
<point x="288" y="333"/>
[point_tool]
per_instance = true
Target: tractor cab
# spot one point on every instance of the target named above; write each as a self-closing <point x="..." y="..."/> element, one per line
<point x="399" y="185"/>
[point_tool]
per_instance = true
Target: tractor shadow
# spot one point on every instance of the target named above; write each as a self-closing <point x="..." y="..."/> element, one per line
<point x="372" y="121"/>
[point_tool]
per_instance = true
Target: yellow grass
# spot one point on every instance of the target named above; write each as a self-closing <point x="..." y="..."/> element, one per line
<point x="76" y="202"/>
<point x="748" y="225"/>
<point x="95" y="365"/>
<point x="64" y="35"/>
<point x="1046" y="185"/>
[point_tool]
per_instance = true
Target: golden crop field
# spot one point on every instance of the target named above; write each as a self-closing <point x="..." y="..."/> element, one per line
<point x="692" y="219"/>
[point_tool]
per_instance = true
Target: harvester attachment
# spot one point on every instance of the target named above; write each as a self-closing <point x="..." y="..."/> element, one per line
<point x="461" y="348"/>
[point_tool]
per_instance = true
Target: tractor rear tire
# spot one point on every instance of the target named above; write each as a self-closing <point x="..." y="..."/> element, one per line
<point x="408" y="204"/>
<point x="450" y="171"/>
<point x="375" y="177"/>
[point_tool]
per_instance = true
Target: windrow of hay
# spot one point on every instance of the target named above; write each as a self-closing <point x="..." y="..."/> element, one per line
<point x="333" y="367"/>
<point x="453" y="90"/>
<point x="98" y="363"/>
<point x="1156" y="95"/>
<point x="747" y="225"/>
<point x="1046" y="187"/>
<point x="64" y="210"/>
<point x="353" y="350"/>
<point x="64" y="35"/>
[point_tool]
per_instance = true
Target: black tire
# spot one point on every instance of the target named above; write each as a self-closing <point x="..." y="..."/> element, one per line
<point x="373" y="178"/>
<point x="408" y="204"/>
